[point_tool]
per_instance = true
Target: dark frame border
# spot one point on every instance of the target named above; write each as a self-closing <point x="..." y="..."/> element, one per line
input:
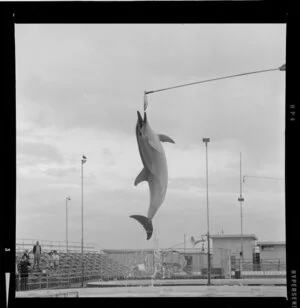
<point x="141" y="12"/>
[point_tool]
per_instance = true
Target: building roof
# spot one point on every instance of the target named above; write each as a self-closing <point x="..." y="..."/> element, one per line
<point x="126" y="250"/>
<point x="227" y="236"/>
<point x="179" y="250"/>
<point x="271" y="243"/>
<point x="190" y="250"/>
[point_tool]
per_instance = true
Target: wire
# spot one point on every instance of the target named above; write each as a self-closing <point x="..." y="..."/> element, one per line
<point x="175" y="245"/>
<point x="208" y="80"/>
<point x="261" y="177"/>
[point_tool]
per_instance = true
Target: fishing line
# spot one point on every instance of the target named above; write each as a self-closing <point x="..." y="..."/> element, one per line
<point x="145" y="106"/>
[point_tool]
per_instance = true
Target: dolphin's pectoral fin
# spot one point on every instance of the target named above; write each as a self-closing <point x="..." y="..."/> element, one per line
<point x="146" y="223"/>
<point x="143" y="176"/>
<point x="165" y="138"/>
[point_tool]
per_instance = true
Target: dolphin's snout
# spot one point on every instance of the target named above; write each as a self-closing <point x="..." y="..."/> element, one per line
<point x="140" y="119"/>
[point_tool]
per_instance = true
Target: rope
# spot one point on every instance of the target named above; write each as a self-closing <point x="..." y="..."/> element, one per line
<point x="213" y="79"/>
<point x="145" y="102"/>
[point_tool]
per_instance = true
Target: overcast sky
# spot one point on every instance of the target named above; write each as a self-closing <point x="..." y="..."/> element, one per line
<point x="78" y="90"/>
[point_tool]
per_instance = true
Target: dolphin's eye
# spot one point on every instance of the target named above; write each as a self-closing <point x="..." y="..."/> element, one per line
<point x="140" y="130"/>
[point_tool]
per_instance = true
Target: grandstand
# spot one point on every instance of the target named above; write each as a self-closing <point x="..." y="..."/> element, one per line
<point x="97" y="266"/>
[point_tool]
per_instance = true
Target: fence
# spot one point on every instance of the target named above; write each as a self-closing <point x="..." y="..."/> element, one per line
<point x="27" y="244"/>
<point x="161" y="263"/>
<point x="58" y="281"/>
<point x="265" y="268"/>
<point x="66" y="294"/>
<point x="52" y="294"/>
<point x="265" y="265"/>
<point x="192" y="264"/>
<point x="68" y="273"/>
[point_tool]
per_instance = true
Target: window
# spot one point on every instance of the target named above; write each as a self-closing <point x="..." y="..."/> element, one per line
<point x="189" y="260"/>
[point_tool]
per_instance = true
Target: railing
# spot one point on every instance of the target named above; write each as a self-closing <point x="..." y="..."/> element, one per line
<point x="57" y="281"/>
<point x="62" y="294"/>
<point x="266" y="268"/>
<point x="27" y="244"/>
<point x="263" y="265"/>
<point x="68" y="271"/>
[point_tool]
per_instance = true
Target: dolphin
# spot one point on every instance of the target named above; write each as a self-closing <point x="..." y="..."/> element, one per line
<point x="155" y="170"/>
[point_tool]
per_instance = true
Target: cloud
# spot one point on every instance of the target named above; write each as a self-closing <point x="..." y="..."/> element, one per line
<point x="185" y="183"/>
<point x="78" y="90"/>
<point x="37" y="152"/>
<point x="107" y="156"/>
<point x="135" y="50"/>
<point x="110" y="196"/>
<point x="61" y="172"/>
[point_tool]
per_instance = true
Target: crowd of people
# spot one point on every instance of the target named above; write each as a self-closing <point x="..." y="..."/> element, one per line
<point x="53" y="260"/>
<point x="23" y="267"/>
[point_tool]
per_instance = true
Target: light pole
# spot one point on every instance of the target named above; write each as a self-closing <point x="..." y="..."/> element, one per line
<point x="206" y="140"/>
<point x="241" y="199"/>
<point x="254" y="176"/>
<point x="67" y="199"/>
<point x="83" y="160"/>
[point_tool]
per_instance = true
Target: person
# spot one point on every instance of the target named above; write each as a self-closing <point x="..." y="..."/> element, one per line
<point x="55" y="260"/>
<point x="26" y="254"/>
<point x="17" y="276"/>
<point x="37" y="251"/>
<point x="164" y="270"/>
<point x="50" y="259"/>
<point x="23" y="268"/>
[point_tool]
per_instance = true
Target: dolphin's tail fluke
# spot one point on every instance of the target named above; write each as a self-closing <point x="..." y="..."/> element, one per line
<point x="146" y="223"/>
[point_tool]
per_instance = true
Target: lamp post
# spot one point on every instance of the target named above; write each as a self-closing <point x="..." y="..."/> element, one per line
<point x="206" y="140"/>
<point x="83" y="160"/>
<point x="241" y="199"/>
<point x="67" y="199"/>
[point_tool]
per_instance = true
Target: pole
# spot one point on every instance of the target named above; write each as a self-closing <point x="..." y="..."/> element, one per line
<point x="206" y="140"/>
<point x="241" y="199"/>
<point x="208" y="239"/>
<point x="281" y="68"/>
<point x="67" y="224"/>
<point x="82" y="278"/>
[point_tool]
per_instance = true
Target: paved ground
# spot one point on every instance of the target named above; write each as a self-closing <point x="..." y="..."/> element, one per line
<point x="166" y="291"/>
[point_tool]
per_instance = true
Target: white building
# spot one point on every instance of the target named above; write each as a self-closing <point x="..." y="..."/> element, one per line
<point x="272" y="250"/>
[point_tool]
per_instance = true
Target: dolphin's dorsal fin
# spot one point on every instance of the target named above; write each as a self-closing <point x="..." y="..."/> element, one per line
<point x="165" y="138"/>
<point x="143" y="176"/>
